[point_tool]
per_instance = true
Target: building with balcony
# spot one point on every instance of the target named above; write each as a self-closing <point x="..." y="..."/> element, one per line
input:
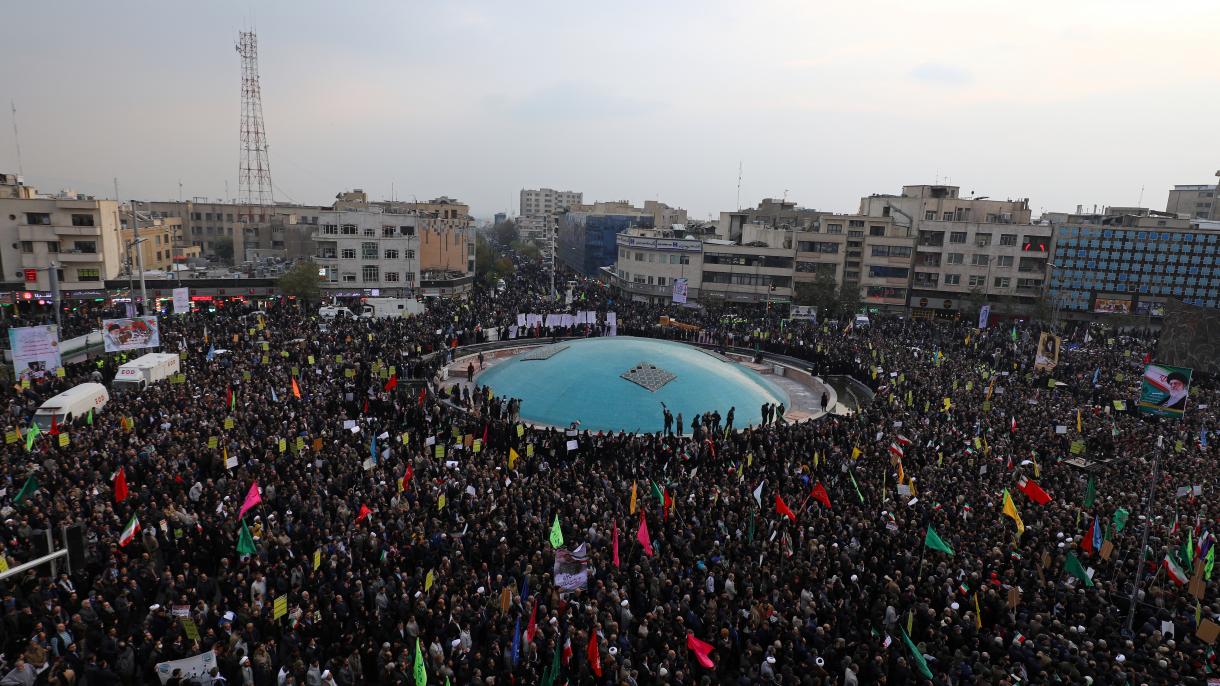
<point x="283" y="230"/>
<point x="160" y="242"/>
<point x="1194" y="201"/>
<point x="1131" y="262"/>
<point x="368" y="252"/>
<point x="651" y="260"/>
<point x="539" y="204"/>
<point x="78" y="233"/>
<point x="586" y="233"/>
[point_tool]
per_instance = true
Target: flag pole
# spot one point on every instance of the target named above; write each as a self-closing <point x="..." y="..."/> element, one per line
<point x="1139" y="569"/>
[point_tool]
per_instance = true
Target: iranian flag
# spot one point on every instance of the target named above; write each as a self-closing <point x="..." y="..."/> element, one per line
<point x="1175" y="571"/>
<point x="129" y="534"/>
<point x="896" y="450"/>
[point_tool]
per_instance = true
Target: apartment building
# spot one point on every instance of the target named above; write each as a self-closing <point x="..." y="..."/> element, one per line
<point x="282" y="230"/>
<point x="78" y="233"/>
<point x="650" y="261"/>
<point x="586" y="234"/>
<point x="1196" y="201"/>
<point x="1133" y="262"/>
<point x="161" y="243"/>
<point x="544" y="201"/>
<point x="368" y="252"/>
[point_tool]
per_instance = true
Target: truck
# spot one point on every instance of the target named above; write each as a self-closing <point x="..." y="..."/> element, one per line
<point x="145" y="370"/>
<point x="71" y="405"/>
<point x="391" y="307"/>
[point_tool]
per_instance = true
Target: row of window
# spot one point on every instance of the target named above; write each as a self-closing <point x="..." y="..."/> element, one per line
<point x="891" y="251"/>
<point x="1145" y="254"/>
<point x="368" y="231"/>
<point x="370" y="274"/>
<point x="1138" y="234"/>
<point x="624" y="254"/>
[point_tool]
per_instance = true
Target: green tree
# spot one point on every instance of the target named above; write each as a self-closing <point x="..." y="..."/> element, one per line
<point x="505" y="233"/>
<point x="222" y="247"/>
<point x="528" y="250"/>
<point x="819" y="292"/>
<point x="489" y="264"/>
<point x="848" y="302"/>
<point x="302" y="282"/>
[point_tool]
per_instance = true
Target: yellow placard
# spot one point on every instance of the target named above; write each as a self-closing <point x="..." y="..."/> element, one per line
<point x="406" y="438"/>
<point x="280" y="608"/>
<point x="63" y="440"/>
<point x="61" y="372"/>
<point x="266" y="359"/>
<point x="338" y="359"/>
<point x="478" y="446"/>
<point x="440" y="502"/>
<point x="11" y="437"/>
<point x="229" y="423"/>
<point x="317" y="559"/>
<point x="310" y="359"/>
<point x="283" y="445"/>
<point x="440" y="451"/>
<point x="349" y="373"/>
<point x="520" y="431"/>
<point x="529" y="449"/>
<point x="283" y="353"/>
<point x="213" y="442"/>
<point x="300" y="443"/>
<point x="265" y="346"/>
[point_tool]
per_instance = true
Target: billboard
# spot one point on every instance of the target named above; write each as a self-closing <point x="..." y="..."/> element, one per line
<point x="984" y="315"/>
<point x="182" y="300"/>
<point x="1048" y="352"/>
<point x="680" y="290"/>
<point x="1148" y="308"/>
<point x="1164" y="390"/>
<point x="1190" y="337"/>
<point x="807" y="312"/>
<point x="130" y="334"/>
<point x="35" y="351"/>
<point x="1111" y="305"/>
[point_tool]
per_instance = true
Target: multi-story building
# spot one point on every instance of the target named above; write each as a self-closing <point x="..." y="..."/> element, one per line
<point x="368" y="252"/>
<point x="499" y="218"/>
<point x="1131" y="263"/>
<point x="870" y="254"/>
<point x="1195" y="201"/>
<point x="586" y="240"/>
<point x="79" y="233"/>
<point x="968" y="251"/>
<point x="283" y="230"/>
<point x="650" y="260"/>
<point x="160" y="241"/>
<point x="545" y="201"/>
<point x="757" y="269"/>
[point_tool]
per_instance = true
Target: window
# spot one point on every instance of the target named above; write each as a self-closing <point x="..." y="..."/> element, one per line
<point x="957" y="236"/>
<point x="229" y="217"/>
<point x="817" y="246"/>
<point x="330" y="229"/>
<point x="38" y="218"/>
<point x="855" y="223"/>
<point x="82" y="220"/>
<point x="1003" y="261"/>
<point x="52" y="246"/>
<point x="348" y="253"/>
<point x="947" y="216"/>
<point x="371" y="273"/>
<point x="876" y="230"/>
<point x="891" y="251"/>
<point x="1008" y="239"/>
<point x="88" y="274"/>
<point x="390" y="277"/>
<point x="388" y="231"/>
<point x="953" y="279"/>
<point x="368" y="231"/>
<point x="84" y="246"/>
<point x="368" y="251"/>
<point x="834" y="228"/>
<point x="391" y="254"/>
<point x="1034" y="244"/>
<point x="1001" y="282"/>
<point x="410" y="254"/>
<point x="349" y="277"/>
<point x="348" y="230"/>
<point x="207" y="215"/>
<point x="855" y="234"/>
<point x="930" y="215"/>
<point x="660" y="280"/>
<point x="878" y="272"/>
<point x="980" y="260"/>
<point x="977" y="281"/>
<point x="982" y="240"/>
<point x="196" y="216"/>
<point x="27" y="246"/>
<point x="955" y="258"/>
<point x="1029" y="284"/>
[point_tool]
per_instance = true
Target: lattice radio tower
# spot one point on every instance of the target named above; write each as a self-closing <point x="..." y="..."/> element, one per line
<point x="253" y="170"/>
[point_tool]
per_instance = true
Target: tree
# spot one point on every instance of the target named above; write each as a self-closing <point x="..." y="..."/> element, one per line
<point x="819" y="292"/>
<point x="505" y="233"/>
<point x="490" y="265"/>
<point x="527" y="250"/>
<point x="222" y="247"/>
<point x="849" y="300"/>
<point x="302" y="282"/>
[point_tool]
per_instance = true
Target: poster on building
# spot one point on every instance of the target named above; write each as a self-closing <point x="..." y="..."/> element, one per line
<point x="35" y="351"/>
<point x="130" y="334"/>
<point x="808" y="313"/>
<point x="1112" y="305"/>
<point x="1048" y="352"/>
<point x="182" y="300"/>
<point x="1164" y="390"/>
<point x="984" y="315"/>
<point x="191" y="667"/>
<point x="1148" y="308"/>
<point x="679" y="290"/>
<point x="572" y="568"/>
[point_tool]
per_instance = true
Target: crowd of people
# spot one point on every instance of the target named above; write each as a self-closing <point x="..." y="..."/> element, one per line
<point x="315" y="506"/>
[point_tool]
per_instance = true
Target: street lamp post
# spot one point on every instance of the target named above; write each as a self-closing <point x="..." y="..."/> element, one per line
<point x="131" y="285"/>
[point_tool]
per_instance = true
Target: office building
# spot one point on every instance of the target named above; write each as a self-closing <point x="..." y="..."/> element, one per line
<point x="650" y="260"/>
<point x="367" y="252"/>
<point x="1193" y="201"/>
<point x="870" y="254"/>
<point x="251" y="233"/>
<point x="160" y="242"/>
<point x="1132" y="262"/>
<point x="499" y="218"/>
<point x="586" y="240"/>
<point x="544" y="201"/>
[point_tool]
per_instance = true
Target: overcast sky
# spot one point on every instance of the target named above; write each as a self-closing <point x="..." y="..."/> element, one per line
<point x="1064" y="102"/>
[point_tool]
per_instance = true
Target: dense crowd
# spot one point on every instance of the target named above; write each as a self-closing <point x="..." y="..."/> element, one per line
<point x="795" y="551"/>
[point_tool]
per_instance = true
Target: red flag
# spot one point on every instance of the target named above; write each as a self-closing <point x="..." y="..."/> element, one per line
<point x="406" y="478"/>
<point x="253" y="498"/>
<point x="1088" y="544"/>
<point x="392" y="383"/>
<point x="896" y="450"/>
<point x="595" y="658"/>
<point x="819" y="494"/>
<point x="667" y="503"/>
<point x="642" y="535"/>
<point x="485" y="437"/>
<point x="532" y="629"/>
<point x="423" y="393"/>
<point x="54" y="426"/>
<point x="229" y="398"/>
<point x="120" y="486"/>
<point x="712" y="447"/>
<point x="296" y="390"/>
<point x="1033" y="491"/>
<point x="701" y="649"/>
<point x="364" y="512"/>
<point x="567" y="650"/>
<point x="365" y="410"/>
<point x="782" y="508"/>
<point x="1147" y="358"/>
<point x="614" y="543"/>
<point x="1013" y="424"/>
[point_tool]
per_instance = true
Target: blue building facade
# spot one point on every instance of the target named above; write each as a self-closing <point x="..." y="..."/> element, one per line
<point x="587" y="242"/>
<point x="1134" y="269"/>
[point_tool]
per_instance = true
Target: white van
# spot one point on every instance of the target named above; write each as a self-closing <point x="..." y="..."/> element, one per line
<point x="391" y="307"/>
<point x="146" y="370"/>
<point x="71" y="405"/>
<point x="329" y="312"/>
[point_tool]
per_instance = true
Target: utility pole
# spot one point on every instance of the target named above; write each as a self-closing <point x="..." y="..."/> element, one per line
<point x="135" y="236"/>
<point x="1139" y="569"/>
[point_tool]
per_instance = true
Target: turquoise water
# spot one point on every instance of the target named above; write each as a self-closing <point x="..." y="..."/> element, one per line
<point x="583" y="383"/>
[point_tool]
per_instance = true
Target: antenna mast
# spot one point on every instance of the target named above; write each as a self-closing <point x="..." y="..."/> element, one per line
<point x="16" y="138"/>
<point x="738" y="185"/>
<point x="253" y="170"/>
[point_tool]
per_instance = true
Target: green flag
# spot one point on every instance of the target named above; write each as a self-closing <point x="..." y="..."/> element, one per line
<point x="556" y="533"/>
<point x="1014" y="337"/>
<point x="1188" y="549"/>
<point x="933" y="541"/>
<point x="751" y="531"/>
<point x="1211" y="562"/>
<point x="1090" y="493"/>
<point x="1073" y="567"/>
<point x="920" y="662"/>
<point x="656" y="491"/>
<point x="30" y="435"/>
<point x="31" y="485"/>
<point x="89" y="417"/>
<point x="421" y="670"/>
<point x="550" y="674"/>
<point x="245" y="542"/>
<point x="853" y="483"/>
<point x="1120" y="519"/>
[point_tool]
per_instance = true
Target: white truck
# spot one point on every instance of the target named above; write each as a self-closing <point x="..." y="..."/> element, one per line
<point x="145" y="370"/>
<point x="391" y="307"/>
<point x="71" y="405"/>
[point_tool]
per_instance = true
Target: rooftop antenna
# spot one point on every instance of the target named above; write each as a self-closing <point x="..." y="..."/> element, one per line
<point x="16" y="138"/>
<point x="180" y="189"/>
<point x="738" y="185"/>
<point x="253" y="170"/>
<point x="1141" y="200"/>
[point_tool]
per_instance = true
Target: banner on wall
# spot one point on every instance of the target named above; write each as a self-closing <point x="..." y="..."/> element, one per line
<point x="984" y="315"/>
<point x="130" y="334"/>
<point x="1164" y="390"/>
<point x="808" y="313"/>
<point x="1048" y="352"/>
<point x="191" y="666"/>
<point x="182" y="300"/>
<point x="35" y="351"/>
<point x="679" y="295"/>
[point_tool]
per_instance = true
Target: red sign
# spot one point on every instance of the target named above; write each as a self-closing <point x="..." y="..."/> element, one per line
<point x="31" y="275"/>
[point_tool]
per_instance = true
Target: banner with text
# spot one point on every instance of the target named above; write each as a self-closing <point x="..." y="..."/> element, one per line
<point x="35" y="351"/>
<point x="182" y="300"/>
<point x="131" y="334"/>
<point x="1164" y="390"/>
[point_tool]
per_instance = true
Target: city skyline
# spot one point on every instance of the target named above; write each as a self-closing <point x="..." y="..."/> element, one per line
<point x="478" y="101"/>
